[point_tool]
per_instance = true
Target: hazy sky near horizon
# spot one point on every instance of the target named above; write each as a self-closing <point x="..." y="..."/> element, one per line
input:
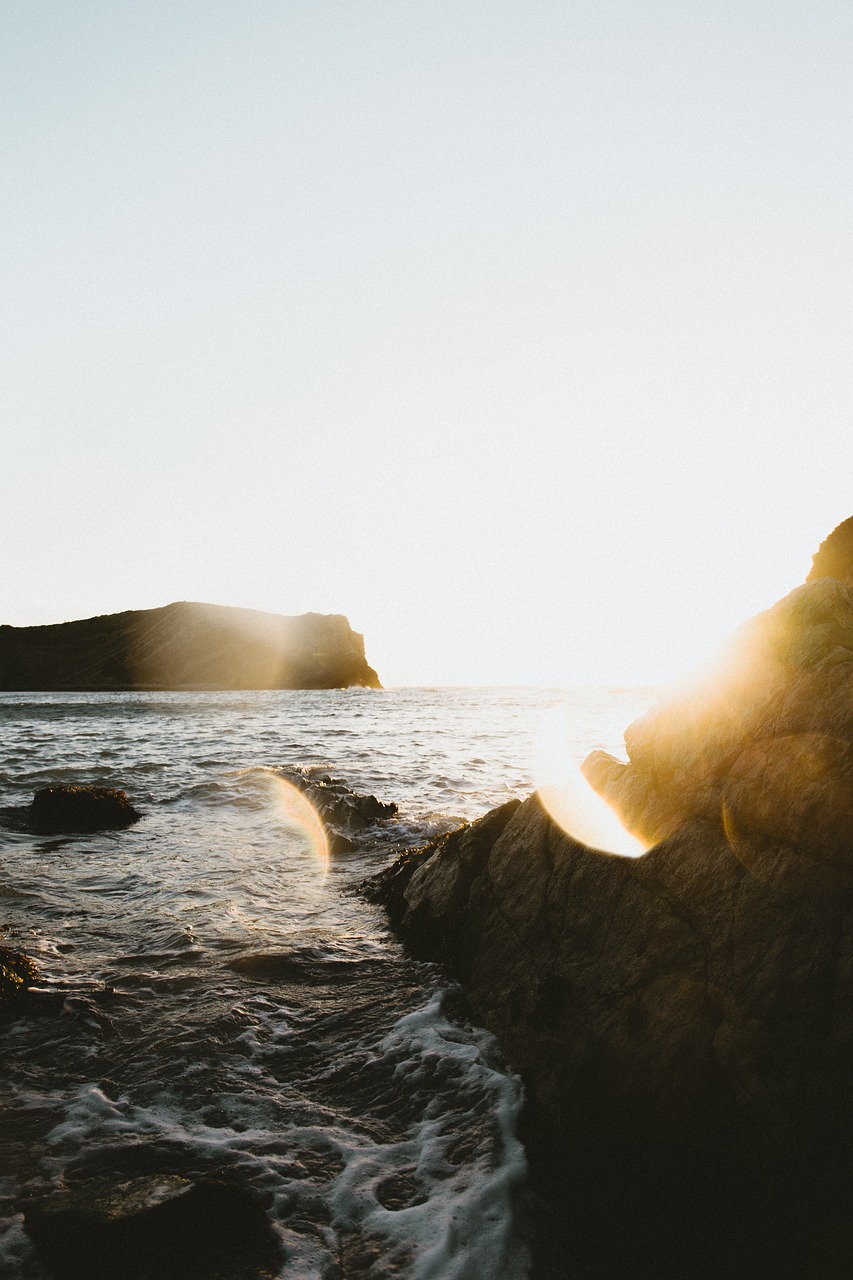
<point x="520" y="333"/>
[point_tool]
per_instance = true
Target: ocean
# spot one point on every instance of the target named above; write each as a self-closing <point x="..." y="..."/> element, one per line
<point x="216" y="998"/>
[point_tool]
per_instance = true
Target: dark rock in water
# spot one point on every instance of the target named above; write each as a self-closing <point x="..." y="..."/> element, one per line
<point x="80" y="808"/>
<point x="17" y="973"/>
<point x="462" y="856"/>
<point x="346" y="816"/>
<point x="834" y="557"/>
<point x="212" y="1231"/>
<point x="295" y="967"/>
<point x="186" y="646"/>
<point x="336" y="804"/>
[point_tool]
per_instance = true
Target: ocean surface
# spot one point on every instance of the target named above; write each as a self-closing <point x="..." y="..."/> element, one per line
<point x="216" y="999"/>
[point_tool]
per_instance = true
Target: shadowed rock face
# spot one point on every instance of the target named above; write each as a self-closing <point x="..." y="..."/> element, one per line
<point x="186" y="646"/>
<point x="683" y="1021"/>
<point x="705" y="987"/>
<point x="683" y="1024"/>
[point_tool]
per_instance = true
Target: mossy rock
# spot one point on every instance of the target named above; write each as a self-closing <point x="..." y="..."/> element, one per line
<point x="81" y="808"/>
<point x="17" y="972"/>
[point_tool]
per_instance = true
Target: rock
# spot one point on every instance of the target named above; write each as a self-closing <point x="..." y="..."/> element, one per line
<point x="683" y="1024"/>
<point x="17" y="973"/>
<point x="834" y="557"/>
<point x="682" y="1021"/>
<point x="346" y="816"/>
<point x="213" y="1230"/>
<point x="186" y="646"/>
<point x="762" y="745"/>
<point x="80" y="808"/>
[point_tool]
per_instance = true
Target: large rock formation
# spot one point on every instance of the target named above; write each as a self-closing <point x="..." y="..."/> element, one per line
<point x="763" y="744"/>
<point x="186" y="646"/>
<point x="683" y="1021"/>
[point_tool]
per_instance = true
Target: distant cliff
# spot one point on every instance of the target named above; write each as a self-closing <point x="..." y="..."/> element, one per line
<point x="186" y="646"/>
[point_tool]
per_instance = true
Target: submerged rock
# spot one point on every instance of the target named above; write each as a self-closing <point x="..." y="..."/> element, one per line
<point x="80" y="808"/>
<point x="211" y="1230"/>
<point x="187" y="646"/>
<point x="17" y="973"/>
<point x="346" y="816"/>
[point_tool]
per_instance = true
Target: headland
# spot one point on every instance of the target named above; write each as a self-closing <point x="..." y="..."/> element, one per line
<point x="186" y="646"/>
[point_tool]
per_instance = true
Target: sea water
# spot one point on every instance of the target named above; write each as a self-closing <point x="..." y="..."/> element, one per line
<point x="215" y="997"/>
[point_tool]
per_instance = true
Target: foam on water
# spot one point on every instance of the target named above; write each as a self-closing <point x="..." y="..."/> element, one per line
<point x="209" y="1003"/>
<point x="408" y="1204"/>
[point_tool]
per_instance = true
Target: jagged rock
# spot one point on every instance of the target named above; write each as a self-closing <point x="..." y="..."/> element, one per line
<point x="682" y="1021"/>
<point x="186" y="646"/>
<point x="210" y="1230"/>
<point x="834" y="557"/>
<point x="80" y="808"/>
<point x="763" y="744"/>
<point x="346" y="815"/>
<point x="683" y="1024"/>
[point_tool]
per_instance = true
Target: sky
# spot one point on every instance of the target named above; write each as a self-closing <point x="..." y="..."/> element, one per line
<point x="519" y="333"/>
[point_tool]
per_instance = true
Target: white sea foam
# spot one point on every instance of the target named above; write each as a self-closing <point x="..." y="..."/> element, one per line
<point x="460" y="1222"/>
<point x="465" y="1226"/>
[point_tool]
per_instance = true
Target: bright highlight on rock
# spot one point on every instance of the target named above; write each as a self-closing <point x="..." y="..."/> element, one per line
<point x="569" y="798"/>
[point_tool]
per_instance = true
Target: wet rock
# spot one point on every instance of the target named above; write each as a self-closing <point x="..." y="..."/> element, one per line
<point x="17" y="973"/>
<point x="427" y="888"/>
<point x="683" y="1021"/>
<point x="346" y="816"/>
<point x="80" y="808"/>
<point x="296" y="967"/>
<point x="683" y="1024"/>
<point x="211" y="1230"/>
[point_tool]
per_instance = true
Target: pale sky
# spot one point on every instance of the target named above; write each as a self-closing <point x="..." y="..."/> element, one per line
<point x="520" y="333"/>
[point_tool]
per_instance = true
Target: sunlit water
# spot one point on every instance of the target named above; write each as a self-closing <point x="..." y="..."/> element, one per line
<point x="379" y="1131"/>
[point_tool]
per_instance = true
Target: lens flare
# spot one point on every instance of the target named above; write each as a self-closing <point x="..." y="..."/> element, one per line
<point x="569" y="798"/>
<point x="297" y="812"/>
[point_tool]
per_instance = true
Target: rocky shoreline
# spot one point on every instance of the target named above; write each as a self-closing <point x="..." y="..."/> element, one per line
<point x="147" y="1213"/>
<point x="683" y="1021"/>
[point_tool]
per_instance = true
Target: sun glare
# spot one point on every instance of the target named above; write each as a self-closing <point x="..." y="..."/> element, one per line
<point x="297" y="812"/>
<point x="568" y="797"/>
